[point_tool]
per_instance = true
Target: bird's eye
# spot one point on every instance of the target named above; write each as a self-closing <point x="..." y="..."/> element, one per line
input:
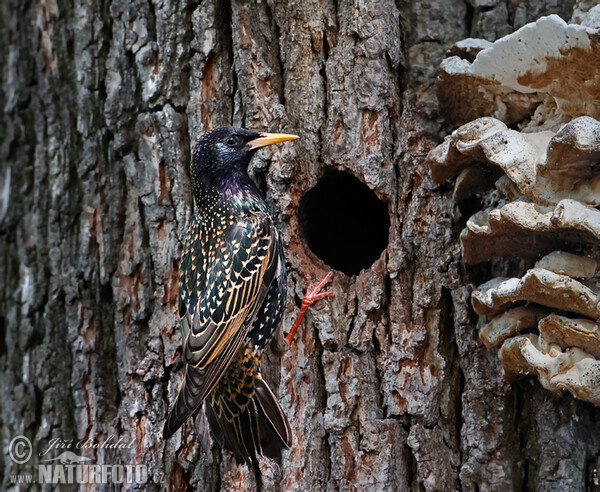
<point x="231" y="142"/>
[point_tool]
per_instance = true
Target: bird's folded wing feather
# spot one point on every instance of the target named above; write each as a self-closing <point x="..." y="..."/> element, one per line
<point x="240" y="267"/>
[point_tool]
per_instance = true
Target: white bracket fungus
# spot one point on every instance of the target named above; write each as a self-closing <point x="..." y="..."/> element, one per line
<point x="544" y="80"/>
<point x="546" y="61"/>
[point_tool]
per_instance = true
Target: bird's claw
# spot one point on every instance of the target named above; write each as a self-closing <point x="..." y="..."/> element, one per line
<point x="316" y="294"/>
<point x="307" y="301"/>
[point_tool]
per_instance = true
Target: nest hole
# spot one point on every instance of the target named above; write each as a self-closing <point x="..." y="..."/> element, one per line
<point x="344" y="223"/>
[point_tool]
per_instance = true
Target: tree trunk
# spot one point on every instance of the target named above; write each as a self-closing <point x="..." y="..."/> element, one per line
<point x="386" y="386"/>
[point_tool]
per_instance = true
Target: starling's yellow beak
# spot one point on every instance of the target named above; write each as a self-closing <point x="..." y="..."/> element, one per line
<point x="270" y="139"/>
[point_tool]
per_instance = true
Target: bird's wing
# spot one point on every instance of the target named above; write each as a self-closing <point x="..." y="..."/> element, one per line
<point x="192" y="276"/>
<point x="240" y="267"/>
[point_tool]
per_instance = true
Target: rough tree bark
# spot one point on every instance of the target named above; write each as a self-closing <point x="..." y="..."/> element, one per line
<point x="387" y="386"/>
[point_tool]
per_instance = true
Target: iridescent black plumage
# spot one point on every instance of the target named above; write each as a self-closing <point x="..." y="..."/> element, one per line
<point x="232" y="289"/>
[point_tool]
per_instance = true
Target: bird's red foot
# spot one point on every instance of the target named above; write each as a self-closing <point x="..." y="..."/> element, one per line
<point x="309" y="298"/>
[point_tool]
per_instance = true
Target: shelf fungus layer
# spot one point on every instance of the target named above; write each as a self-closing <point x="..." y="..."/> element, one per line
<point x="572" y="369"/>
<point x="544" y="172"/>
<point x="565" y="353"/>
<point x="549" y="66"/>
<point x="525" y="230"/>
<point x="543" y="166"/>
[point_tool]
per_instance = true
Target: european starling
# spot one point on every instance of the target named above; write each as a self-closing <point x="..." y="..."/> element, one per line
<point x="232" y="290"/>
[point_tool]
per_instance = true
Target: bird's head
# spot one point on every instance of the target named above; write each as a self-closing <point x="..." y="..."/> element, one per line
<point x="224" y="153"/>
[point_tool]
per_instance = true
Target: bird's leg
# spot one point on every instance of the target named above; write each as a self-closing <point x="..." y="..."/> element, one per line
<point x="309" y="298"/>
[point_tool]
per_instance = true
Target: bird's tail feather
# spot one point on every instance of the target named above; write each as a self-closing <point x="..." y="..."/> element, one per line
<point x="275" y="432"/>
<point x="258" y="428"/>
